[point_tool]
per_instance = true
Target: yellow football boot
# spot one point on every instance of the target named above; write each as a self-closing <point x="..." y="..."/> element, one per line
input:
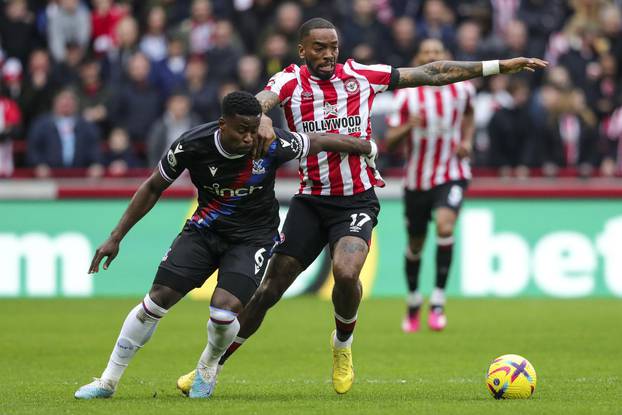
<point x="184" y="383"/>
<point x="343" y="370"/>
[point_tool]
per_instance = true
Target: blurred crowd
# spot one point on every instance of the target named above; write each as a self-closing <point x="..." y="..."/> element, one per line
<point x="107" y="85"/>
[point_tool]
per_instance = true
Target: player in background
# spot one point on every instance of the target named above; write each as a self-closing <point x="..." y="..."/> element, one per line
<point x="436" y="122"/>
<point x="234" y="230"/>
<point x="336" y="203"/>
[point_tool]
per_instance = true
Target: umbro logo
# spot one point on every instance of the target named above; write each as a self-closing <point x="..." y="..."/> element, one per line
<point x="284" y="143"/>
<point x="213" y="170"/>
<point x="178" y="149"/>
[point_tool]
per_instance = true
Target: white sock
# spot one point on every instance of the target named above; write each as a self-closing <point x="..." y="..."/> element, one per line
<point x="340" y="345"/>
<point x="437" y="297"/>
<point x="414" y="299"/>
<point x="137" y="329"/>
<point x="340" y="321"/>
<point x="222" y="329"/>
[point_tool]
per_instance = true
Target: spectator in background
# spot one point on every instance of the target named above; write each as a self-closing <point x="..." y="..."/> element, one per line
<point x="63" y="139"/>
<point x="437" y="23"/>
<point x="153" y="42"/>
<point x="168" y="74"/>
<point x="486" y="103"/>
<point x="69" y="22"/>
<point x="546" y="98"/>
<point x="541" y="17"/>
<point x="503" y="12"/>
<point x="468" y="42"/>
<point x="12" y="79"/>
<point x="286" y="23"/>
<point x="94" y="96"/>
<point x="275" y="54"/>
<point x="226" y="88"/>
<point x="224" y="53"/>
<point x="250" y="74"/>
<point x="105" y="17"/>
<point x="362" y="26"/>
<point x="569" y="138"/>
<point x="516" y="43"/>
<point x="199" y="28"/>
<point x="404" y="45"/>
<point x="67" y="72"/>
<point x="515" y="40"/>
<point x="603" y="89"/>
<point x="611" y="24"/>
<point x="117" y="58"/>
<point x="120" y="155"/>
<point x="137" y="103"/>
<point x="250" y="79"/>
<point x="511" y="131"/>
<point x="10" y="129"/>
<point x="479" y="11"/>
<point x="612" y="151"/>
<point x="251" y="18"/>
<point x="203" y="94"/>
<point x="364" y="53"/>
<point x="176" y="10"/>
<point x="176" y="120"/>
<point x="17" y="30"/>
<point x="315" y="8"/>
<point x="581" y="59"/>
<point x="38" y="88"/>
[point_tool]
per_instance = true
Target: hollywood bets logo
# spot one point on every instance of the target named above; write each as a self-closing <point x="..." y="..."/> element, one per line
<point x="352" y="124"/>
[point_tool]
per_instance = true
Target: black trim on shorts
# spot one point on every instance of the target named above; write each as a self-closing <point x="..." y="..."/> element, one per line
<point x="239" y="285"/>
<point x="419" y="205"/>
<point x="313" y="221"/>
<point x="174" y="281"/>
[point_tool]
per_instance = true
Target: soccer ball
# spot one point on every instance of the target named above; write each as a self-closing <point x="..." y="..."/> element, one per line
<point x="511" y="377"/>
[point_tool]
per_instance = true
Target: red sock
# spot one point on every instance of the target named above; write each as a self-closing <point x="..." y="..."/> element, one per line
<point x="344" y="326"/>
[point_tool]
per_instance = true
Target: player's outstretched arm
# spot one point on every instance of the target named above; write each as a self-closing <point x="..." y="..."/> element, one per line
<point x="341" y="144"/>
<point x="447" y="72"/>
<point x="265" y="133"/>
<point x="143" y="200"/>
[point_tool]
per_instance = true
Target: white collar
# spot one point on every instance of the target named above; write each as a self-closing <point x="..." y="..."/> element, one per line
<point x="222" y="150"/>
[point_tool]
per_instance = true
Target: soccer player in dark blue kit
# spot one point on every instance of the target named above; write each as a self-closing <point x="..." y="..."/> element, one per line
<point x="234" y="230"/>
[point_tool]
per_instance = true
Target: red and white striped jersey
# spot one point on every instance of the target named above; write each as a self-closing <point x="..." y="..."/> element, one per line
<point x="341" y="105"/>
<point x="432" y="158"/>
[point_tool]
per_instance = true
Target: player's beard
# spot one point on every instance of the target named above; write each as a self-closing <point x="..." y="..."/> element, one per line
<point x="322" y="75"/>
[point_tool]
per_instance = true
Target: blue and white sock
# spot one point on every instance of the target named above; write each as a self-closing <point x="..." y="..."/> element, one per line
<point x="137" y="329"/>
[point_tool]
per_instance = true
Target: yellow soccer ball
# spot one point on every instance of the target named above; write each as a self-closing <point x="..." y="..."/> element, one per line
<point x="511" y="377"/>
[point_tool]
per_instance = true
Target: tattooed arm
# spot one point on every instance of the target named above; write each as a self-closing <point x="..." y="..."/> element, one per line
<point x="447" y="72"/>
<point x="267" y="100"/>
<point x="265" y="133"/>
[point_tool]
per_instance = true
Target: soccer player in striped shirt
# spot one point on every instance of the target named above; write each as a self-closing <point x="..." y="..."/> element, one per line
<point x="436" y="122"/>
<point x="336" y="203"/>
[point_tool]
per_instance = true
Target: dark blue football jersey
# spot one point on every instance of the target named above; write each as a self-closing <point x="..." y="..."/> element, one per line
<point x="235" y="193"/>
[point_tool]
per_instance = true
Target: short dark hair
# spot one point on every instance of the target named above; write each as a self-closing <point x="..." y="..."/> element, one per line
<point x="315" y="23"/>
<point x="240" y="103"/>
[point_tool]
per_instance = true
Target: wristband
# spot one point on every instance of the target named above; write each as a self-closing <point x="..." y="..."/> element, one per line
<point x="374" y="150"/>
<point x="490" y="67"/>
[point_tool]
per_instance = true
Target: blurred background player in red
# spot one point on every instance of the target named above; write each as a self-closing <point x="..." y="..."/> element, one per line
<point x="437" y="125"/>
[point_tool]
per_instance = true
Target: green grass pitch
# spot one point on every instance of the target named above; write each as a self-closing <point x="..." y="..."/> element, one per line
<point x="51" y="347"/>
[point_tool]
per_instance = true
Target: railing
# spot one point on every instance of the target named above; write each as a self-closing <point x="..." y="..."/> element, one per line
<point x="70" y="184"/>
